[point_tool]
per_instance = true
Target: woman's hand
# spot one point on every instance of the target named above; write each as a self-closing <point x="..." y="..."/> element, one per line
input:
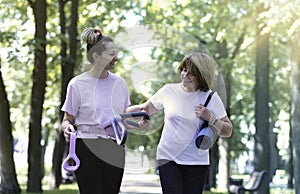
<point x="203" y="113"/>
<point x="67" y="125"/>
<point x="223" y="125"/>
<point x="68" y="130"/>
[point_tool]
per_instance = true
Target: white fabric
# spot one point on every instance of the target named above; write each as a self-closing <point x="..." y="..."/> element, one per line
<point x="94" y="102"/>
<point x="180" y="130"/>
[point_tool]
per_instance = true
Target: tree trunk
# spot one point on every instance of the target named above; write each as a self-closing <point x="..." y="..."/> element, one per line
<point x="35" y="166"/>
<point x="289" y="160"/>
<point x="295" y="111"/>
<point x="213" y="168"/>
<point x="68" y="65"/>
<point x="9" y="183"/>
<point x="224" y="149"/>
<point x="274" y="152"/>
<point x="262" y="143"/>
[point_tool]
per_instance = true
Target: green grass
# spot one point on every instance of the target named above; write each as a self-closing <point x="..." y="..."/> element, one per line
<point x="63" y="189"/>
<point x="73" y="189"/>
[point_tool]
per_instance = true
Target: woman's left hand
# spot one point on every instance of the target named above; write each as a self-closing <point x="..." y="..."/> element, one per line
<point x="202" y="112"/>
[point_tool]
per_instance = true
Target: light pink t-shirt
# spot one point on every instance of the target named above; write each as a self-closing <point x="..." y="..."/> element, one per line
<point x="94" y="102"/>
<point x="180" y="129"/>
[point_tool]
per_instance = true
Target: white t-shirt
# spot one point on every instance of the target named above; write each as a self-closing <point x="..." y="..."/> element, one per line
<point x="181" y="125"/>
<point x="94" y="102"/>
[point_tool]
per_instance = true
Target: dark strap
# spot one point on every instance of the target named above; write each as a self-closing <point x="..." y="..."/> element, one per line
<point x="208" y="98"/>
<point x="205" y="124"/>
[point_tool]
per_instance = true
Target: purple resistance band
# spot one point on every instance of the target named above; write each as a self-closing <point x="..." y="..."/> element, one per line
<point x="71" y="155"/>
<point x="120" y="138"/>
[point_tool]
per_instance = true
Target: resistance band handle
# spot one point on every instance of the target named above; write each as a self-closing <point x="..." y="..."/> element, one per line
<point x="71" y="155"/>
<point x="120" y="138"/>
<point x="136" y="114"/>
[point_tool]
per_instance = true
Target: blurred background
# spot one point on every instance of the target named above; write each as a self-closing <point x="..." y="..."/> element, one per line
<point x="255" y="45"/>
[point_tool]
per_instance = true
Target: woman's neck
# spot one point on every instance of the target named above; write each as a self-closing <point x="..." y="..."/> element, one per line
<point x="98" y="74"/>
<point x="187" y="89"/>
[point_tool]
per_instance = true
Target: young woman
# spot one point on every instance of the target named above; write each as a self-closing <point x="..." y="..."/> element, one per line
<point x="93" y="99"/>
<point x="182" y="166"/>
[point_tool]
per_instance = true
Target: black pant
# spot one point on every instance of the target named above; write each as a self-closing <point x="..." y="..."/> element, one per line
<point x="101" y="166"/>
<point x="182" y="179"/>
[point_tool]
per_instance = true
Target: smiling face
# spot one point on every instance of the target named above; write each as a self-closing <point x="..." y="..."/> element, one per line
<point x="188" y="79"/>
<point x="103" y="59"/>
<point x="109" y="56"/>
<point x="197" y="72"/>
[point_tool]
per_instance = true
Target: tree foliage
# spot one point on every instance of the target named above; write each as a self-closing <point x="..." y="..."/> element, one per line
<point x="225" y="29"/>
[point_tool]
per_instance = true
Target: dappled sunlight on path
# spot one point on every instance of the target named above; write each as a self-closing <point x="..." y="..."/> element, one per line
<point x="137" y="179"/>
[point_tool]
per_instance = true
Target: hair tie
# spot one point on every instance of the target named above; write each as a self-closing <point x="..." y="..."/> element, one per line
<point x="98" y="32"/>
<point x="99" y="37"/>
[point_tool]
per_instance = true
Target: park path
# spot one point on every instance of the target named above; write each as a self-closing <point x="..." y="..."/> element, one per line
<point x="140" y="183"/>
<point x="137" y="179"/>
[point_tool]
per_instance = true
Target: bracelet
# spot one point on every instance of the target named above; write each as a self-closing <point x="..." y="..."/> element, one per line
<point x="213" y="121"/>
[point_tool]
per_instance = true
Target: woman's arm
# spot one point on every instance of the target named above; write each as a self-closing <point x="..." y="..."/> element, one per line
<point x="223" y="126"/>
<point x="67" y="125"/>
<point x="147" y="107"/>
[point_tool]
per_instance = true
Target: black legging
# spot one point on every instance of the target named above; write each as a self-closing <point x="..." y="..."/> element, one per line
<point x="101" y="166"/>
<point x="182" y="179"/>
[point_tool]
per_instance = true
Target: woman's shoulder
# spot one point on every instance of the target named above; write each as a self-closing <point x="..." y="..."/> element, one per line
<point x="169" y="88"/>
<point x="116" y="77"/>
<point x="80" y="79"/>
<point x="216" y="99"/>
<point x="172" y="85"/>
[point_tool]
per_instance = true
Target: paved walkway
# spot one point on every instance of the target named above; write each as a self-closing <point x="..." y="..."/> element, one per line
<point x="140" y="183"/>
<point x="136" y="179"/>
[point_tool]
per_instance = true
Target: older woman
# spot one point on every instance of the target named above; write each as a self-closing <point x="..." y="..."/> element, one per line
<point x="183" y="167"/>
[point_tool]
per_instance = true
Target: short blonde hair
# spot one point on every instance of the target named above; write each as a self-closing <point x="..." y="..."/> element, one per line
<point x="202" y="67"/>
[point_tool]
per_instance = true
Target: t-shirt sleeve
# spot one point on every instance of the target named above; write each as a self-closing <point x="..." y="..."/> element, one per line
<point x="158" y="98"/>
<point x="120" y="96"/>
<point x="71" y="104"/>
<point x="217" y="106"/>
<point x="126" y="91"/>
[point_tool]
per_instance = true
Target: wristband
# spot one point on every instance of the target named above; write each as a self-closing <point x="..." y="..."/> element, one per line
<point x="216" y="127"/>
<point x="213" y="121"/>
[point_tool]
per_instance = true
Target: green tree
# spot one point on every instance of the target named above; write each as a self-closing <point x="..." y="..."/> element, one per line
<point x="9" y="183"/>
<point x="295" y="112"/>
<point x="285" y="30"/>
<point x="225" y="29"/>
<point x="68" y="63"/>
<point x="262" y="135"/>
<point x="35" y="166"/>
